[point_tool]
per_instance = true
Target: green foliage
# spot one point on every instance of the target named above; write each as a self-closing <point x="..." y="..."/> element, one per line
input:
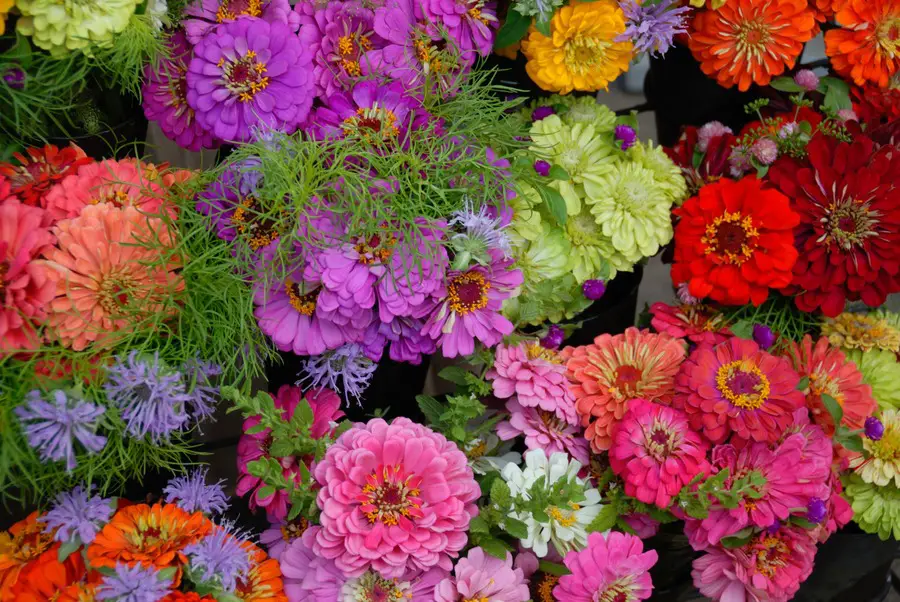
<point x="456" y="419"/>
<point x="122" y="63"/>
<point x="696" y="498"/>
<point x="779" y="313"/>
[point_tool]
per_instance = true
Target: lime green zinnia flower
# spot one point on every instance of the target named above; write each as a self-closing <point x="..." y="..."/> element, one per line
<point x="61" y="26"/>
<point x="875" y="509"/>
<point x="549" y="301"/>
<point x="586" y="110"/>
<point x="881" y="371"/>
<point x="880" y="465"/>
<point x="666" y="174"/>
<point x="526" y="221"/>
<point x="632" y="210"/>
<point x="593" y="254"/>
<point x="544" y="257"/>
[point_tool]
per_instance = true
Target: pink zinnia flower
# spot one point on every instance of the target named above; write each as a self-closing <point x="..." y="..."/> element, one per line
<point x="655" y="451"/>
<point x="281" y="534"/>
<point x="416" y="271"/>
<point x="543" y="430"/>
<point x="481" y="577"/>
<point x="612" y="567"/>
<point x="469" y="307"/>
<point x="470" y="23"/>
<point x="770" y="568"/>
<point x="696" y="322"/>
<point x="27" y="285"/>
<point x="325" y="405"/>
<point x="735" y="387"/>
<point x="394" y="497"/>
<point x="535" y="377"/>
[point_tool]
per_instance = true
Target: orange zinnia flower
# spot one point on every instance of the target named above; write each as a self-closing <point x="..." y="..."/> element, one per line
<point x="44" y="579"/>
<point x="25" y="541"/>
<point x="751" y="41"/>
<point x="263" y="583"/>
<point x="79" y="592"/>
<point x="149" y="535"/>
<point x="867" y="46"/>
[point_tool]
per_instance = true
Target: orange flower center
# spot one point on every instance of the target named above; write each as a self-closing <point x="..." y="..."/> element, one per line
<point x="245" y="76"/>
<point x="293" y="530"/>
<point x="468" y="292"/>
<point x="350" y="48"/>
<point x="27" y="545"/>
<point x="743" y="384"/>
<point x="771" y="555"/>
<point x="753" y="37"/>
<point x="848" y="223"/>
<point x="178" y="88"/>
<point x="732" y="237"/>
<point x="391" y="495"/>
<point x="305" y="303"/>
<point x="372" y="123"/>
<point x="543" y="590"/>
<point x="249" y="221"/>
<point x="627" y="379"/>
<point x="232" y="9"/>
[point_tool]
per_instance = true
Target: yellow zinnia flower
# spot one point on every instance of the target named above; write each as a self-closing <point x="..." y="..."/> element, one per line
<point x="581" y="52"/>
<point x="5" y="5"/>
<point x="861" y="331"/>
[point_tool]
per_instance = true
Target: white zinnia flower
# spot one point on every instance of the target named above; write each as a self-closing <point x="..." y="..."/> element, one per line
<point x="488" y="454"/>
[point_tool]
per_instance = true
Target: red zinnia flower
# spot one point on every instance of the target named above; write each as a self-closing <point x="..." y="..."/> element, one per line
<point x="849" y="231"/>
<point x="733" y="242"/>
<point x="41" y="169"/>
<point x="874" y="106"/>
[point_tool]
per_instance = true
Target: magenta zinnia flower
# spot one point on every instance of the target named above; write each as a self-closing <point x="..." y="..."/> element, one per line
<point x="469" y="307"/>
<point x="612" y="567"/>
<point x="416" y="271"/>
<point x="404" y="335"/>
<point x="250" y="74"/>
<point x="469" y="23"/>
<point x="737" y="388"/>
<point x="543" y="430"/>
<point x="480" y="576"/>
<point x="165" y="98"/>
<point x="655" y="451"/>
<point x="394" y="497"/>
<point x="204" y="15"/>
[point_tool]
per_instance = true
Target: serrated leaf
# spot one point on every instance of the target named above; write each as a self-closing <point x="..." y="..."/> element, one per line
<point x="454" y="374"/>
<point x="516" y="528"/>
<point x="553" y="568"/>
<point x="305" y="412"/>
<point x="281" y="448"/>
<point x="253" y="430"/>
<point x="67" y="548"/>
<point x="431" y="408"/>
<point x="558" y="173"/>
<point x="513" y="29"/>
<point x="852" y="443"/>
<point x="479" y="525"/>
<point x="494" y="547"/>
<point x="500" y="493"/>
<point x="833" y="407"/>
<point x="458" y="433"/>
<point x="803" y="384"/>
<point x="543" y="27"/>
<point x="786" y="84"/>
<point x="605" y="520"/>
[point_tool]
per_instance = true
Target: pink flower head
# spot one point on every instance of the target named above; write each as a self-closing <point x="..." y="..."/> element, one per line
<point x="416" y="271"/>
<point x="535" y="376"/>
<point x="694" y="321"/>
<point x="765" y="151"/>
<point x="469" y="307"/>
<point x="543" y="430"/>
<point x="469" y="23"/>
<point x="482" y="577"/>
<point x="709" y="131"/>
<point x="735" y="387"/>
<point x="281" y="534"/>
<point x="394" y="498"/>
<point x="612" y="567"/>
<point x="204" y="15"/>
<point x="655" y="451"/>
<point x="644" y="526"/>
<point x="27" y="285"/>
<point x="770" y="568"/>
<point x="404" y="335"/>
<point x="325" y="405"/>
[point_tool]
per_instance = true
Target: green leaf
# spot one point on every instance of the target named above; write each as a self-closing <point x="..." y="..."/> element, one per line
<point x="479" y="525"/>
<point x="305" y="412"/>
<point x="66" y="549"/>
<point x="226" y="597"/>
<point x="558" y="173"/>
<point x="743" y="329"/>
<point x="454" y="374"/>
<point x="266" y="491"/>
<point x="516" y="528"/>
<point x="852" y="443"/>
<point x="802" y="522"/>
<point x="761" y="171"/>
<point x="543" y="27"/>
<point x="605" y="520"/>
<point x="803" y="384"/>
<point x="513" y="29"/>
<point x="500" y="493"/>
<point x="253" y="430"/>
<point x="837" y="94"/>
<point x="786" y="84"/>
<point x="495" y="548"/>
<point x="281" y="448"/>
<point x="431" y="408"/>
<point x="555" y="203"/>
<point x="697" y="159"/>
<point x="833" y="407"/>
<point x="167" y="574"/>
<point x="805" y="127"/>
<point x="737" y="540"/>
<point x="553" y="568"/>
<point x="458" y="433"/>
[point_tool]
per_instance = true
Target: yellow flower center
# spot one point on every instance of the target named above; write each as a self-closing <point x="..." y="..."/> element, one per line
<point x="771" y="554"/>
<point x="467" y="293"/>
<point x="305" y="303"/>
<point x="583" y="229"/>
<point x="545" y="588"/>
<point x="619" y="590"/>
<point x="886" y="449"/>
<point x="293" y="530"/>
<point x="477" y="450"/>
<point x="584" y="54"/>
<point x="244" y="77"/>
<point x="563" y="517"/>
<point x="114" y="292"/>
<point x="743" y="384"/>
<point x="732" y="237"/>
<point x="350" y="48"/>
<point x="390" y="494"/>
<point x="861" y="331"/>
<point x="888" y="37"/>
<point x="536" y="351"/>
<point x="753" y="38"/>
<point x="372" y="123"/>
<point x="119" y="198"/>
<point x="248" y="220"/>
<point x="232" y="9"/>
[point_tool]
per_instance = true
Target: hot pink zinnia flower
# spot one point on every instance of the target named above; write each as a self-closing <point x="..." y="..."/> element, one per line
<point x="481" y="577"/>
<point x="656" y="452"/>
<point x="736" y="387"/>
<point x="543" y="430"/>
<point x="325" y="405"/>
<point x="536" y="376"/>
<point x="696" y="322"/>
<point x="394" y="497"/>
<point x="27" y="285"/>
<point x="612" y="567"/>
<point x="770" y="568"/>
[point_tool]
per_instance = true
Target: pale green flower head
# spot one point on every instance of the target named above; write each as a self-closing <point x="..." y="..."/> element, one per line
<point x="881" y="371"/>
<point x="526" y="221"/>
<point x="592" y="251"/>
<point x="666" y="174"/>
<point x="578" y="149"/>
<point x="875" y="509"/>
<point x="62" y="26"/>
<point x="586" y="110"/>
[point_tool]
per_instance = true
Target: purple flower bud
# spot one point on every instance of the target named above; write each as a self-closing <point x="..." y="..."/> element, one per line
<point x="807" y="80"/>
<point x="554" y="338"/>
<point x="874" y="428"/>
<point x="542" y="168"/>
<point x="763" y="336"/>
<point x="773" y="528"/>
<point x="816" y="511"/>
<point x="593" y="289"/>
<point x="627" y="135"/>
<point x="14" y="78"/>
<point x="541" y="112"/>
<point x="765" y="151"/>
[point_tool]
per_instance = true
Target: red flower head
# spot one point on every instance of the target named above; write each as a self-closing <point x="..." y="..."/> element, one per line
<point x="41" y="169"/>
<point x="849" y="230"/>
<point x="715" y="150"/>
<point x="734" y="242"/>
<point x="874" y="106"/>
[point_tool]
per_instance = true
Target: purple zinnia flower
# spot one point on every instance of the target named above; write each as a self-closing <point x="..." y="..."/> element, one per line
<point x="469" y="307"/>
<point x="151" y="397"/>
<point x="470" y="23"/>
<point x="542" y="112"/>
<point x="192" y="494"/>
<point x="52" y="427"/>
<point x="626" y="134"/>
<point x="484" y="231"/>
<point x="652" y="27"/>
<point x="807" y="79"/>
<point x="555" y="337"/>
<point x="76" y="513"/>
<point x="765" y="151"/>
<point x="874" y="428"/>
<point x="346" y="369"/>
<point x="542" y="168"/>
<point x="407" y="343"/>
<point x="14" y="77"/>
<point x="763" y="336"/>
<point x="415" y="272"/>
<point x="816" y="511"/>
<point x="133" y="584"/>
<point x="219" y="559"/>
<point x="250" y="73"/>
<point x="204" y="15"/>
<point x="593" y="289"/>
<point x="165" y="98"/>
<point x="202" y="396"/>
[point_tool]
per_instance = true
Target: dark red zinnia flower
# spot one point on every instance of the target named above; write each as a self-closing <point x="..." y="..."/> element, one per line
<point x="849" y="233"/>
<point x="713" y="164"/>
<point x="876" y="106"/>
<point x="43" y="167"/>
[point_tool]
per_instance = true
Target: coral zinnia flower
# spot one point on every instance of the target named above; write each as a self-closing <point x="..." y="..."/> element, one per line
<point x="115" y="270"/>
<point x="43" y="579"/>
<point x="751" y="41"/>
<point x="656" y="452"/>
<point x="734" y="242"/>
<point x="152" y="536"/>
<point x="581" y="52"/>
<point x="263" y="583"/>
<point x="613" y="370"/>
<point x="830" y="373"/>
<point x="696" y="322"/>
<point x="41" y="169"/>
<point x="849" y="228"/>
<point x="867" y="46"/>
<point x="24" y="542"/>
<point x="736" y="387"/>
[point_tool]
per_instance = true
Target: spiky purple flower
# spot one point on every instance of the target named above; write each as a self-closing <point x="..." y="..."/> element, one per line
<point x="77" y="513"/>
<point x="202" y="395"/>
<point x="346" y="369"/>
<point x="626" y="135"/>
<point x="219" y="558"/>
<point x="652" y="27"/>
<point x="593" y="289"/>
<point x="151" y="397"/>
<point x="874" y="428"/>
<point x="133" y="584"/>
<point x="192" y="494"/>
<point x="483" y="231"/>
<point x="51" y="428"/>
